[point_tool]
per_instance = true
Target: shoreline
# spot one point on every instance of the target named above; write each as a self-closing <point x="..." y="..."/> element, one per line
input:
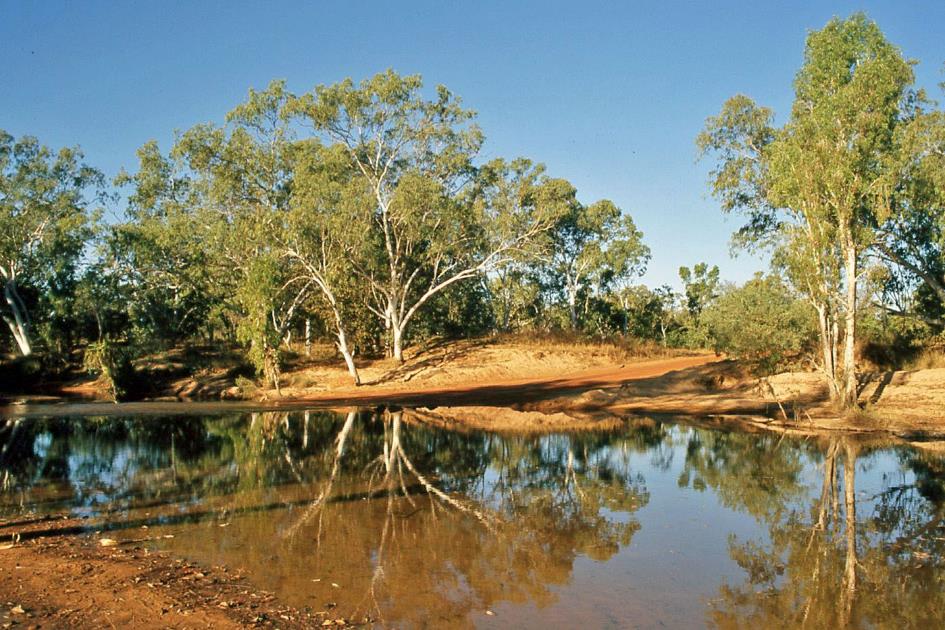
<point x="902" y="404"/>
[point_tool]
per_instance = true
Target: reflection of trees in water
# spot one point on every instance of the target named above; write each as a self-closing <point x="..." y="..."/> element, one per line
<point x="468" y="519"/>
<point x="59" y="462"/>
<point x="464" y="521"/>
<point x="830" y="562"/>
<point x="430" y="524"/>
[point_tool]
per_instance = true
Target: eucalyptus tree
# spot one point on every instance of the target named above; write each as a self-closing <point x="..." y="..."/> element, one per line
<point x="158" y="254"/>
<point x="46" y="218"/>
<point x="323" y="235"/>
<point x="701" y="286"/>
<point x="416" y="156"/>
<point x="517" y="189"/>
<point x="241" y="175"/>
<point x="648" y="313"/>
<point x="815" y="188"/>
<point x="912" y="239"/>
<point x="593" y="247"/>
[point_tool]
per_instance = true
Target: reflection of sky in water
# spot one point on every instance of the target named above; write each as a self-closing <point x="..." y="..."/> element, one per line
<point x="639" y="525"/>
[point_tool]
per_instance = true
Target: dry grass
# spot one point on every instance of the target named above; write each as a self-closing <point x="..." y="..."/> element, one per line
<point x="928" y="359"/>
<point x="616" y="348"/>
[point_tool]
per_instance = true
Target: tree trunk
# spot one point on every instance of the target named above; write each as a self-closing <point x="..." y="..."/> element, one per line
<point x="572" y="307"/>
<point x="343" y="341"/>
<point x="19" y="322"/>
<point x="308" y="336"/>
<point x="349" y="359"/>
<point x="98" y="323"/>
<point x="388" y="340"/>
<point x="398" y="342"/>
<point x="828" y="345"/>
<point x="849" y="342"/>
<point x="506" y="311"/>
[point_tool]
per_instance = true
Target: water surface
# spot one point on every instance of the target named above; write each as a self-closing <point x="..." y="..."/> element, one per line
<point x="653" y="523"/>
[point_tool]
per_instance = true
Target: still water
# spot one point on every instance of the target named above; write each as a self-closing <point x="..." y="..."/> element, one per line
<point x="650" y="523"/>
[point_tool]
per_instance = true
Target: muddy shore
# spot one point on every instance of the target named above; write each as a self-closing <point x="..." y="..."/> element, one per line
<point x="57" y="572"/>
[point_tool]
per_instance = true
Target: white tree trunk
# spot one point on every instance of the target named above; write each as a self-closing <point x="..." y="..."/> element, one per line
<point x="17" y="320"/>
<point x="828" y="348"/>
<point x="849" y="342"/>
<point x="572" y="306"/>
<point x="349" y="358"/>
<point x="398" y="342"/>
<point x="388" y="343"/>
<point x="308" y="336"/>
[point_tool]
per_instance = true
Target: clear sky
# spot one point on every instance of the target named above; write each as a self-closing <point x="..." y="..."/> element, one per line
<point x="608" y="95"/>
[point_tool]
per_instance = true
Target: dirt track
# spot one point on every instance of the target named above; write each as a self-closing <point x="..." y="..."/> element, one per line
<point x="511" y="390"/>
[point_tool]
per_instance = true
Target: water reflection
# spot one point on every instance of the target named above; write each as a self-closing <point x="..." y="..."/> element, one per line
<point x="378" y="514"/>
<point x="846" y="558"/>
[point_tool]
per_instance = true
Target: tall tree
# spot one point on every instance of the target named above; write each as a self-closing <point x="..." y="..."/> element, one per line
<point x="46" y="213"/>
<point x="323" y="234"/>
<point x="158" y="254"/>
<point x="416" y="156"/>
<point x="815" y="187"/>
<point x="912" y="239"/>
<point x="594" y="246"/>
<point x="517" y="190"/>
<point x="701" y="285"/>
<point x="242" y="174"/>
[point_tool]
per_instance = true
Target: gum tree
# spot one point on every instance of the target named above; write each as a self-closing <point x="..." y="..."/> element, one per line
<point x="815" y="188"/>
<point x="416" y="157"/>
<point x="323" y="234"/>
<point x="593" y="246"/>
<point x="241" y="175"/>
<point x="158" y="254"/>
<point x="912" y="239"/>
<point x="45" y="220"/>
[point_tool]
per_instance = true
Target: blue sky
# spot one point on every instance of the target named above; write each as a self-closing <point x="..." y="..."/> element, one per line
<point x="608" y="95"/>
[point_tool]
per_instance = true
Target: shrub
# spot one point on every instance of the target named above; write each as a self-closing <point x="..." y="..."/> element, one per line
<point x="113" y="362"/>
<point x="761" y="322"/>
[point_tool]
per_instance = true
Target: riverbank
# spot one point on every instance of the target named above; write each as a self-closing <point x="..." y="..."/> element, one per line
<point x="521" y="385"/>
<point x="59" y="575"/>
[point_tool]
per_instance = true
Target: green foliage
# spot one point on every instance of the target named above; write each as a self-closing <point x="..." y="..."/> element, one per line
<point x="255" y="296"/>
<point x="761" y="322"/>
<point x="701" y="287"/>
<point x="158" y="259"/>
<point x="114" y="363"/>
<point x="594" y="249"/>
<point x="365" y="207"/>
<point x="46" y="219"/>
<point x="891" y="342"/>
<point x="815" y="189"/>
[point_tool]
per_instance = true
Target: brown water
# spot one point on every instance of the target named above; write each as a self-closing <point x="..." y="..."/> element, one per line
<point x="651" y="524"/>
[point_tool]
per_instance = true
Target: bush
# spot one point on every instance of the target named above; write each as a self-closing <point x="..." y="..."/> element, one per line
<point x="113" y="362"/>
<point x="761" y="322"/>
<point x="888" y="342"/>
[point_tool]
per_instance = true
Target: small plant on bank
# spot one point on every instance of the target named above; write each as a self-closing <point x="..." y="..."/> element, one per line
<point x="113" y="362"/>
